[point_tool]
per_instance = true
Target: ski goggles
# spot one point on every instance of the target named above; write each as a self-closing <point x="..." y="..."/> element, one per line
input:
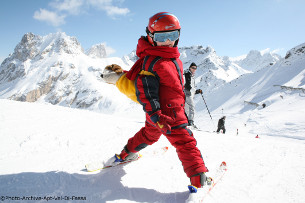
<point x="164" y="36"/>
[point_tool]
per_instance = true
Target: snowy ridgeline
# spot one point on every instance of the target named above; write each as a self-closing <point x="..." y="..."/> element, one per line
<point x="44" y="149"/>
<point x="55" y="69"/>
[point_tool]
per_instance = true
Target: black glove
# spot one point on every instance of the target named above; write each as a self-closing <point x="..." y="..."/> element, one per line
<point x="162" y="121"/>
<point x="199" y="91"/>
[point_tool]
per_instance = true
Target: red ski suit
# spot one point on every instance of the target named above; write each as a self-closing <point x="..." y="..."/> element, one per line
<point x="158" y="76"/>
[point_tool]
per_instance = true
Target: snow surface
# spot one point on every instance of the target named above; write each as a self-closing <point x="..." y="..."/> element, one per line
<point x="44" y="148"/>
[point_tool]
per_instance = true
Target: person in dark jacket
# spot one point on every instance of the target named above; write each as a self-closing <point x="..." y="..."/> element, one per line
<point x="221" y="125"/>
<point x="190" y="91"/>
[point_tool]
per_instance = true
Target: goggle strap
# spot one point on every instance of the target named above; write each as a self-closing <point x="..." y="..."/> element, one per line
<point x="149" y="33"/>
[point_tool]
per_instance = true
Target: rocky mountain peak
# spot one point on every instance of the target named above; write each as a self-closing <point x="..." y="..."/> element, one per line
<point x="32" y="46"/>
<point x="60" y="43"/>
<point x="296" y="51"/>
<point x="97" y="51"/>
<point x="256" y="60"/>
<point x="27" y="48"/>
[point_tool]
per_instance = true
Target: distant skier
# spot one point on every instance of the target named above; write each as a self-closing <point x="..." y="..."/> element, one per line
<point x="156" y="82"/>
<point x="190" y="91"/>
<point x="221" y="125"/>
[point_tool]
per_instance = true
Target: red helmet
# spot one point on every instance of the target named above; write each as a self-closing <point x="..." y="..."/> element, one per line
<point x="162" y="21"/>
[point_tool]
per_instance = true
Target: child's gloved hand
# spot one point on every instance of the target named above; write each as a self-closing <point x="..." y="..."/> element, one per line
<point x="112" y="73"/>
<point x="162" y="121"/>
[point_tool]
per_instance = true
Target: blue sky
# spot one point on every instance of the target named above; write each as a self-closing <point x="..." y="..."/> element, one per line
<point x="231" y="27"/>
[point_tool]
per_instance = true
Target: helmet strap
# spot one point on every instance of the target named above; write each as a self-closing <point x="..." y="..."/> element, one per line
<point x="149" y="33"/>
<point x="151" y="36"/>
<point x="176" y="42"/>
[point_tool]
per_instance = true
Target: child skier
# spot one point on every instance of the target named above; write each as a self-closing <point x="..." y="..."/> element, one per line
<point x="156" y="82"/>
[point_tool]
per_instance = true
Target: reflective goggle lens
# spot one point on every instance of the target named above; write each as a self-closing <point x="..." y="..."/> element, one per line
<point x="164" y="36"/>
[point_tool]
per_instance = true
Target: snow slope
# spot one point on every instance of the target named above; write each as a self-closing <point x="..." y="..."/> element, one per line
<point x="44" y="148"/>
<point x="282" y="84"/>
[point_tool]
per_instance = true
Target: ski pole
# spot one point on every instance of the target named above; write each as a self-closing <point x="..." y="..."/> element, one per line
<point x="207" y="109"/>
<point x="206" y="106"/>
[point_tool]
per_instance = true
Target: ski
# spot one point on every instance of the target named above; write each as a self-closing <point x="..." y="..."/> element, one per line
<point x="98" y="166"/>
<point x="199" y="194"/>
<point x="92" y="167"/>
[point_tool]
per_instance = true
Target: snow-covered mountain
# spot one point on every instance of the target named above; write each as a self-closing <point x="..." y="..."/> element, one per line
<point x="97" y="50"/>
<point x="256" y="60"/>
<point x="264" y="86"/>
<point x="213" y="70"/>
<point x="55" y="69"/>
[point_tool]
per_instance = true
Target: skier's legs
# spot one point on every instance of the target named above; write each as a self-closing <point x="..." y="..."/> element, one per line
<point x="189" y="108"/>
<point x="223" y="130"/>
<point x="190" y="156"/>
<point x="145" y="136"/>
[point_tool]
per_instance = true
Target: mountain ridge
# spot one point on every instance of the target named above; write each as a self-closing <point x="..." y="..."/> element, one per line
<point x="56" y="69"/>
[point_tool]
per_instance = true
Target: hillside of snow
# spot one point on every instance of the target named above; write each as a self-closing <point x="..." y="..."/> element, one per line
<point x="267" y="85"/>
<point x="44" y="149"/>
<point x="72" y="119"/>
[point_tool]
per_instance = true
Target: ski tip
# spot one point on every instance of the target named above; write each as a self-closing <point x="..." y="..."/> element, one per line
<point x="164" y="149"/>
<point x="88" y="168"/>
<point x="223" y="166"/>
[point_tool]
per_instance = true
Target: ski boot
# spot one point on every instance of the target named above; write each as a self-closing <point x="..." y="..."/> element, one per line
<point x="191" y="124"/>
<point x="198" y="181"/>
<point x="124" y="156"/>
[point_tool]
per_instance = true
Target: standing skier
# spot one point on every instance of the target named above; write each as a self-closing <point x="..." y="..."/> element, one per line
<point x="221" y="125"/>
<point x="156" y="82"/>
<point x="190" y="91"/>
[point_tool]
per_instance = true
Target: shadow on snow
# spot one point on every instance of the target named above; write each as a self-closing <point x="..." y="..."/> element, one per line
<point x="101" y="187"/>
